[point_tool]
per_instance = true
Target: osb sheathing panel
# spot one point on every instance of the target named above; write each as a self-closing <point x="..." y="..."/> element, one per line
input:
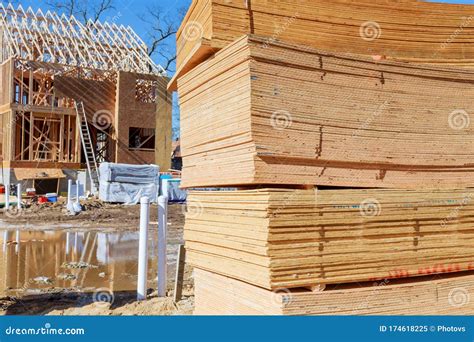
<point x="7" y="135"/>
<point x="133" y="113"/>
<point x="6" y="82"/>
<point x="97" y="96"/>
<point x="6" y="97"/>
<point x="163" y="127"/>
<point x="2" y="135"/>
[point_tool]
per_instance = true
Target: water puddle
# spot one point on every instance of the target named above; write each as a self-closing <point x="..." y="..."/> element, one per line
<point x="36" y="262"/>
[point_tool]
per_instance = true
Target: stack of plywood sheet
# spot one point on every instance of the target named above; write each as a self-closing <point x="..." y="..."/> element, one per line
<point x="346" y="125"/>
<point x="278" y="238"/>
<point x="404" y="30"/>
<point x="449" y="295"/>
<point x="275" y="113"/>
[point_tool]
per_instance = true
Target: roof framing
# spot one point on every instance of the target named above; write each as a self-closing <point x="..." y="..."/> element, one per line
<point x="48" y="37"/>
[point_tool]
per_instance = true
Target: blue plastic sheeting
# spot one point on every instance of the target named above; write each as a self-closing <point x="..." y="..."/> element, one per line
<point x="175" y="193"/>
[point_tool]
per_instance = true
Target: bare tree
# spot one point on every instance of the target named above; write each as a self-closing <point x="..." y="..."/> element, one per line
<point x="161" y="35"/>
<point x="83" y="10"/>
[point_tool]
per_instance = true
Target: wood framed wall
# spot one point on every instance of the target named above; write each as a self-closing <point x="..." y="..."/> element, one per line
<point x="39" y="128"/>
<point x="38" y="118"/>
<point x="143" y="102"/>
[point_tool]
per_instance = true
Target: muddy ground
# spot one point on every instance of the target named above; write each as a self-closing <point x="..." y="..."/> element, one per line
<point x="97" y="216"/>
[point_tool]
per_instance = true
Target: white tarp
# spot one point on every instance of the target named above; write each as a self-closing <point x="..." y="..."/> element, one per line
<point x="125" y="173"/>
<point x="122" y="183"/>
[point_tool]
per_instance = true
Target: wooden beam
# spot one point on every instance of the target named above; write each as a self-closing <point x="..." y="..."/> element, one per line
<point x="179" y="278"/>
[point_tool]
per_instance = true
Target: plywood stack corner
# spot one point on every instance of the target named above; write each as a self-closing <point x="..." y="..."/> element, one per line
<point x="346" y="157"/>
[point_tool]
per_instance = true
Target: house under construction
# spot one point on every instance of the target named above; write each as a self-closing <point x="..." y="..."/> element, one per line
<point x="73" y="95"/>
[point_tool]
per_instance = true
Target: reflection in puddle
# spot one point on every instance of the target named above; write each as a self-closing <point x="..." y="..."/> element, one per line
<point x="34" y="262"/>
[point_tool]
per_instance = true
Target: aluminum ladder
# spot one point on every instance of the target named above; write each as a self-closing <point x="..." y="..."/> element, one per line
<point x="89" y="152"/>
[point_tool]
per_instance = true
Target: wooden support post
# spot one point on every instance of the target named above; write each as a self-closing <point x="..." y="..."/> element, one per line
<point x="179" y="279"/>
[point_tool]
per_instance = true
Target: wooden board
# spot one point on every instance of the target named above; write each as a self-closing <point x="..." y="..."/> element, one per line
<point x="276" y="113"/>
<point x="447" y="295"/>
<point x="404" y="30"/>
<point x="276" y="238"/>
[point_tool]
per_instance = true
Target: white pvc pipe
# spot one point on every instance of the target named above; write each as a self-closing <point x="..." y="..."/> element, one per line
<point x="69" y="194"/>
<point x="162" y="235"/>
<point x="77" y="191"/>
<point x="18" y="196"/>
<point x="165" y="187"/>
<point x="143" y="248"/>
<point x="7" y="196"/>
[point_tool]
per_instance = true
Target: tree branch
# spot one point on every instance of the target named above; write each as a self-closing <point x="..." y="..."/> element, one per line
<point x="163" y="27"/>
<point x="83" y="10"/>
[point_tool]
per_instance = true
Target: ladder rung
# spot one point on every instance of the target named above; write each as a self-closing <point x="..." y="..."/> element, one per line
<point x="87" y="143"/>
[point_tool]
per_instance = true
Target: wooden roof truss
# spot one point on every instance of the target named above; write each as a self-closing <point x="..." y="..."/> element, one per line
<point x="48" y="37"/>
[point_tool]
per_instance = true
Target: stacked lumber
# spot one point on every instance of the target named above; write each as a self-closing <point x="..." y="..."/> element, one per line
<point x="346" y="125"/>
<point x="281" y="238"/>
<point x="449" y="295"/>
<point x="277" y="113"/>
<point x="403" y="30"/>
